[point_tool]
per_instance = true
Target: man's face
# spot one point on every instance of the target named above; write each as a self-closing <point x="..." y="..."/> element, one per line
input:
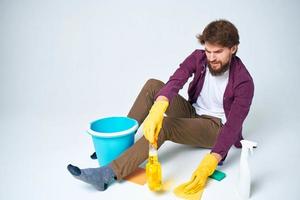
<point x="218" y="57"/>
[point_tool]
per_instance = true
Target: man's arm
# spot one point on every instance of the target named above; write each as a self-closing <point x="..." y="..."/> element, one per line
<point x="239" y="110"/>
<point x="180" y="76"/>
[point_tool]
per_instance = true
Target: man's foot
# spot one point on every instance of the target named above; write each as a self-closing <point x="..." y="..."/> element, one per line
<point x="100" y="177"/>
<point x="94" y="156"/>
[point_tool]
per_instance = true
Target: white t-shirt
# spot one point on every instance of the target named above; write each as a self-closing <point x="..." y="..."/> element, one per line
<point x="210" y="100"/>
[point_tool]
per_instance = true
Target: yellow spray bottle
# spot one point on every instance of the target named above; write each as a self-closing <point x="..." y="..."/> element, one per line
<point x="153" y="170"/>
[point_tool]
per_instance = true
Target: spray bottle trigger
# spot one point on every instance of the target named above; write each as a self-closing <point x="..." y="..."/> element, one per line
<point x="251" y="150"/>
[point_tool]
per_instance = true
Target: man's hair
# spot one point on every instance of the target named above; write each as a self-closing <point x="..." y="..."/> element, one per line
<point x="221" y="32"/>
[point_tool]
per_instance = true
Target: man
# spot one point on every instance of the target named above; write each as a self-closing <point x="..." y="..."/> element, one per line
<point x="220" y="96"/>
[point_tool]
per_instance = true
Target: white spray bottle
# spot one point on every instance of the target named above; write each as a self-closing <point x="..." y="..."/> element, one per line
<point x="244" y="176"/>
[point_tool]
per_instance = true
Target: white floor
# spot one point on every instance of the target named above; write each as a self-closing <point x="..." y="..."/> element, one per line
<point x="36" y="150"/>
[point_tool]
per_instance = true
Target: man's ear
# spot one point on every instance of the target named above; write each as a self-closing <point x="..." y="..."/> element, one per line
<point x="234" y="49"/>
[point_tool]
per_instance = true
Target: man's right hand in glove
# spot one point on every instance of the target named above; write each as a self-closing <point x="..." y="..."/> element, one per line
<point x="153" y="122"/>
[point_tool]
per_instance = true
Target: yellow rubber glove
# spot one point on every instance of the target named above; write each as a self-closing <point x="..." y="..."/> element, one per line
<point x="198" y="180"/>
<point x="179" y="192"/>
<point x="153" y="122"/>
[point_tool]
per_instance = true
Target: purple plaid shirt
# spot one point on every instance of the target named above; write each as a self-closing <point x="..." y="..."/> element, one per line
<point x="236" y="101"/>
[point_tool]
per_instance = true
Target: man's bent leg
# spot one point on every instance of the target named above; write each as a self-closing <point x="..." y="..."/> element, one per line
<point x="138" y="153"/>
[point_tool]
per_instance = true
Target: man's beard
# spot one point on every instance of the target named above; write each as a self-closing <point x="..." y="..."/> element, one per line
<point x="220" y="71"/>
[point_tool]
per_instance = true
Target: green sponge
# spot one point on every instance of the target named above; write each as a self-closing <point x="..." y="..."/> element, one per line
<point x="218" y="175"/>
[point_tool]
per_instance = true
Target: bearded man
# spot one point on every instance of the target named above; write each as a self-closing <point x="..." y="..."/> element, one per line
<point x="220" y="95"/>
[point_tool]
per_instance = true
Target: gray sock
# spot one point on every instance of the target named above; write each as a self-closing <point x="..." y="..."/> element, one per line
<point x="100" y="177"/>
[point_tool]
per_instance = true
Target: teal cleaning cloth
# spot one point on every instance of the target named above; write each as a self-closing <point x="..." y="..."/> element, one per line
<point x="218" y="175"/>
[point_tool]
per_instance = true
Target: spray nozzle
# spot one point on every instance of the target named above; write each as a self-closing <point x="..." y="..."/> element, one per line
<point x="248" y="145"/>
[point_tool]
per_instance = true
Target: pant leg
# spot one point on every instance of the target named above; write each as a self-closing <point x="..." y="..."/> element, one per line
<point x="201" y="131"/>
<point x="179" y="107"/>
<point x="138" y="153"/>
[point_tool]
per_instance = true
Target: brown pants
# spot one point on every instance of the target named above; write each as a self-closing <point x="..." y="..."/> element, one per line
<point x="182" y="125"/>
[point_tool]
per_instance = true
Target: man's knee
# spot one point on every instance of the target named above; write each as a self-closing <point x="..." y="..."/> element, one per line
<point x="154" y="83"/>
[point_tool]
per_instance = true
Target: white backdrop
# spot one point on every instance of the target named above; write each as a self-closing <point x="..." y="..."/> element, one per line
<point x="77" y="60"/>
<point x="62" y="57"/>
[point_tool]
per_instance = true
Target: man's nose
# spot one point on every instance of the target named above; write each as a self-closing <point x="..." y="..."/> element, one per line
<point x="211" y="57"/>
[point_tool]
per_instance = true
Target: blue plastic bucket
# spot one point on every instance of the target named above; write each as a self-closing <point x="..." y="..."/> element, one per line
<point x="112" y="136"/>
